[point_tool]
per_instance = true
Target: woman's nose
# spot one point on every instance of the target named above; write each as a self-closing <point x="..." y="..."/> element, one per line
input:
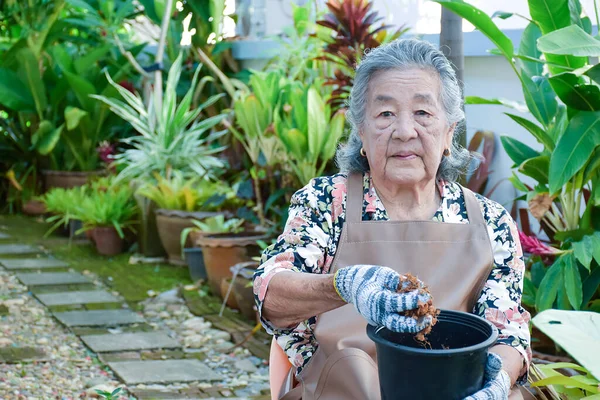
<point x="404" y="129"/>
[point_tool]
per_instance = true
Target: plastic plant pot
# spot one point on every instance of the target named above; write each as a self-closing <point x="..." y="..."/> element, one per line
<point x="451" y="369"/>
<point x="195" y="261"/>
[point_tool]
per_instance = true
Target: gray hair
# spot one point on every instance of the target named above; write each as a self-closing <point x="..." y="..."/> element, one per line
<point x="404" y="54"/>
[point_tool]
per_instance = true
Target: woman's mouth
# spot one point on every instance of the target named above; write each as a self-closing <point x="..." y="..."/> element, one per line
<point x="405" y="156"/>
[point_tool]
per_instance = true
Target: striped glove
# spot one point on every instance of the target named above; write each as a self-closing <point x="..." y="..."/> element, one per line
<point x="496" y="382"/>
<point x="372" y="290"/>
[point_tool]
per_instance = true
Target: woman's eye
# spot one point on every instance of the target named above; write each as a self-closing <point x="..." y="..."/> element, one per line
<point x="422" y="113"/>
<point x="386" y="114"/>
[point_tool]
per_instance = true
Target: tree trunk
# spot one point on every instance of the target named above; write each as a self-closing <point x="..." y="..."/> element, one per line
<point x="451" y="44"/>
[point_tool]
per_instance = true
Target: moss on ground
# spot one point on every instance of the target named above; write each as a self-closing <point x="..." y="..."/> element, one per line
<point x="132" y="281"/>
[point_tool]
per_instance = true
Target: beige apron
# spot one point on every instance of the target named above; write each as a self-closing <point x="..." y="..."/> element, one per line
<point x="454" y="260"/>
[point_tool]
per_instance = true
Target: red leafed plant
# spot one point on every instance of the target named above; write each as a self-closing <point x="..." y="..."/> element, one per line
<point x="355" y="29"/>
<point x="533" y="245"/>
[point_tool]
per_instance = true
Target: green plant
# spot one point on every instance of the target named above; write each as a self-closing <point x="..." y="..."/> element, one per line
<point x="179" y="192"/>
<point x="561" y="91"/>
<point x="173" y="136"/>
<point x="108" y="206"/>
<point x="108" y="395"/>
<point x="64" y="205"/>
<point x="216" y="224"/>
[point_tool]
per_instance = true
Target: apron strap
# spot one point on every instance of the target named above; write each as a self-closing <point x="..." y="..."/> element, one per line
<point x="354" y="197"/>
<point x="474" y="213"/>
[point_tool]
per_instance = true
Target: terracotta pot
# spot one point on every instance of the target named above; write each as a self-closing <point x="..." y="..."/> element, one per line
<point x="108" y="241"/>
<point x="90" y="235"/>
<point x="231" y="300"/>
<point x="68" y="179"/>
<point x="34" y="208"/>
<point x="243" y="291"/>
<point x="170" y="224"/>
<point x="224" y="250"/>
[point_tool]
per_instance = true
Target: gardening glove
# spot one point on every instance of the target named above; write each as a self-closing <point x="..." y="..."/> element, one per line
<point x="496" y="381"/>
<point x="373" y="289"/>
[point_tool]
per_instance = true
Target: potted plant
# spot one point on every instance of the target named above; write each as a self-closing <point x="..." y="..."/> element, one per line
<point x="179" y="201"/>
<point x="194" y="255"/>
<point x="227" y="248"/>
<point x="242" y="289"/>
<point x="63" y="206"/>
<point x="174" y="136"/>
<point x="107" y="211"/>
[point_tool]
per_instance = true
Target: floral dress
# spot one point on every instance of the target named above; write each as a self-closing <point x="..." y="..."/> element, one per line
<point x="309" y="242"/>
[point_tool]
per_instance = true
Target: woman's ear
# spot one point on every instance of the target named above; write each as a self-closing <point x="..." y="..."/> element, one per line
<point x="449" y="136"/>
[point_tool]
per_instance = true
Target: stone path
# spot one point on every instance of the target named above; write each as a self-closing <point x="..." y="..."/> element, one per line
<point x="163" y="352"/>
<point x="4" y="235"/>
<point x="31" y="263"/>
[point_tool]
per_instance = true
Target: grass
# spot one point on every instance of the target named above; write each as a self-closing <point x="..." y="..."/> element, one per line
<point x="132" y="281"/>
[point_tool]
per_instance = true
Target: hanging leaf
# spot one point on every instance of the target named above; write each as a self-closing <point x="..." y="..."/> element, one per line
<point x="573" y="93"/>
<point x="32" y="76"/>
<point x="528" y="48"/>
<point x="82" y="90"/>
<point x="14" y="94"/>
<point x="46" y="137"/>
<point x="549" y="286"/>
<point x="503" y="102"/>
<point x="574" y="148"/>
<point x="518" y="151"/>
<point x="540" y="98"/>
<point x="573" y="284"/>
<point x="576" y="332"/>
<point x="73" y="117"/>
<point x="537" y="132"/>
<point x="590" y="285"/>
<point x="571" y="40"/>
<point x="583" y="251"/>
<point x="537" y="168"/>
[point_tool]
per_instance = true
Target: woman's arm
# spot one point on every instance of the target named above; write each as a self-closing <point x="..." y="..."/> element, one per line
<point x="295" y="296"/>
<point x="500" y="301"/>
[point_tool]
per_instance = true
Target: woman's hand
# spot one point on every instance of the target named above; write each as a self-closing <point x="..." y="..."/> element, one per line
<point x="496" y="382"/>
<point x="373" y="291"/>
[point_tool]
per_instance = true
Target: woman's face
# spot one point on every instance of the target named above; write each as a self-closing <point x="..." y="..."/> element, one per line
<point x="405" y="130"/>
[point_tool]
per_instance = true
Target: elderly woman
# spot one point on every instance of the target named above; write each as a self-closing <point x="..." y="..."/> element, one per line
<point x="394" y="209"/>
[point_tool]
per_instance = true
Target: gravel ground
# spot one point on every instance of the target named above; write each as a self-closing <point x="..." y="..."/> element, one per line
<point x="70" y="371"/>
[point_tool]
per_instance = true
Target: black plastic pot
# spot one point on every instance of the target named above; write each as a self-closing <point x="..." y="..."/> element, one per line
<point x="195" y="261"/>
<point x="451" y="369"/>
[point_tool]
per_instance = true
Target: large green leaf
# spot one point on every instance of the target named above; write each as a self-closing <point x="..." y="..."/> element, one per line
<point x="549" y="286"/>
<point x="551" y="15"/>
<point x="571" y="40"/>
<point x="82" y="89"/>
<point x="573" y="283"/>
<point x="538" y="133"/>
<point x="540" y="98"/>
<point x="502" y="102"/>
<point x="482" y="22"/>
<point x="590" y="285"/>
<point x="528" y="48"/>
<point x="516" y="150"/>
<point x="46" y="137"/>
<point x="537" y="168"/>
<point x="30" y="70"/>
<point x="574" y="148"/>
<point x="574" y="94"/>
<point x="85" y="62"/>
<point x="576" y="332"/>
<point x="317" y="123"/>
<point x="14" y="94"/>
<point x="594" y="73"/>
<point x="583" y="251"/>
<point x="73" y="117"/>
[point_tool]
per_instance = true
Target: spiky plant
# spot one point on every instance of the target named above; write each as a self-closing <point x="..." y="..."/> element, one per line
<point x="356" y="28"/>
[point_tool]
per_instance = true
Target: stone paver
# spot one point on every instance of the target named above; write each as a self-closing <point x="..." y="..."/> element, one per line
<point x="4" y="235"/>
<point x="31" y="263"/>
<point x="98" y="318"/>
<point x="21" y="354"/>
<point x="77" y="297"/>
<point x="52" y="278"/>
<point x="18" y="249"/>
<point x="129" y="341"/>
<point x="163" y="371"/>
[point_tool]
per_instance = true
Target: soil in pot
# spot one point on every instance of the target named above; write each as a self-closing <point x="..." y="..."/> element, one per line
<point x="195" y="261"/>
<point x="452" y="368"/>
<point x="224" y="250"/>
<point x="108" y="241"/>
<point x="231" y="301"/>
